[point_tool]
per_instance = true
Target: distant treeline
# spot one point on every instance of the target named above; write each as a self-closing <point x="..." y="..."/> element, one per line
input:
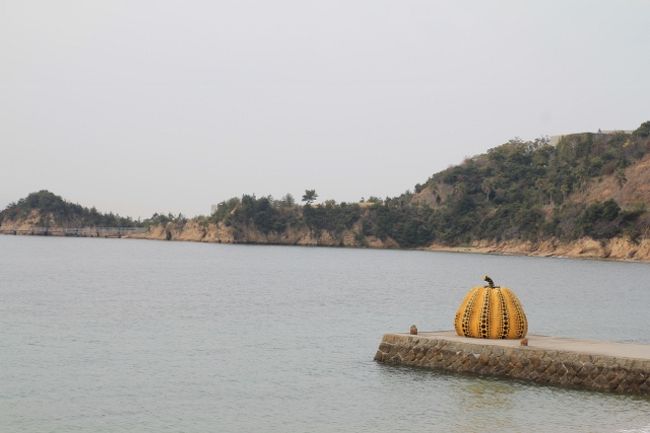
<point x="523" y="190"/>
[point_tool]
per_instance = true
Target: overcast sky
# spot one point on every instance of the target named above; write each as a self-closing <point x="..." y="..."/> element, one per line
<point x="142" y="106"/>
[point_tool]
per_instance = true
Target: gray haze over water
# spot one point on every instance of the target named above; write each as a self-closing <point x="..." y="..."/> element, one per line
<point x="143" y="106"/>
<point x="102" y="335"/>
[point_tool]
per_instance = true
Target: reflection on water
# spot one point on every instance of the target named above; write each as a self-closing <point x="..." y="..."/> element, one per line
<point x="108" y="335"/>
<point x="512" y="406"/>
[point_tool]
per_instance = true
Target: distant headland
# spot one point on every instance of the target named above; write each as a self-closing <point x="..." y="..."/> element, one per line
<point x="585" y="195"/>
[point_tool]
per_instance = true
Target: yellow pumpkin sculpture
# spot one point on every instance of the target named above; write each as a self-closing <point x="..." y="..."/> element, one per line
<point x="491" y="312"/>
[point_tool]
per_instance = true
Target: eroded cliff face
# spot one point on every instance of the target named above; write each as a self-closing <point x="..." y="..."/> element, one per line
<point x="34" y="219"/>
<point x="632" y="190"/>
<point x="220" y="233"/>
<point x="618" y="248"/>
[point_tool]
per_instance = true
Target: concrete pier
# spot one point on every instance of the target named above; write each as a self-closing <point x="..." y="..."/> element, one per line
<point x="586" y="364"/>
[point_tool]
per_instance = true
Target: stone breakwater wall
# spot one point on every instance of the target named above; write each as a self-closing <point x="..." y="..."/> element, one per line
<point x="591" y="371"/>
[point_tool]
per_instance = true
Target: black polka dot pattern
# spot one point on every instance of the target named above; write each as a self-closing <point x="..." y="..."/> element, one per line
<point x="491" y="312"/>
<point x="485" y="316"/>
<point x="466" y="314"/>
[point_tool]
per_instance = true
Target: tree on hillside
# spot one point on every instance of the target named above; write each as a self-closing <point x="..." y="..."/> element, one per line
<point x="287" y="200"/>
<point x="643" y="130"/>
<point x="309" y="196"/>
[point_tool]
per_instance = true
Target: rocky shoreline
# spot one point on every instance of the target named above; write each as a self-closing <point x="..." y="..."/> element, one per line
<point x="616" y="249"/>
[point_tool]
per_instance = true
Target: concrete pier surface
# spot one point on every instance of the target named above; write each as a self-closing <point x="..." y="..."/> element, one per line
<point x="593" y="347"/>
<point x="568" y="362"/>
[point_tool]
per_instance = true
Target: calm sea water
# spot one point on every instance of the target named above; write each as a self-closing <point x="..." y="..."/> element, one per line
<point x="100" y="335"/>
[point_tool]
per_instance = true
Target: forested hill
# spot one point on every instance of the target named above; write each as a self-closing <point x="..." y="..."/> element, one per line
<point x="45" y="209"/>
<point x="587" y="186"/>
<point x="595" y="185"/>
